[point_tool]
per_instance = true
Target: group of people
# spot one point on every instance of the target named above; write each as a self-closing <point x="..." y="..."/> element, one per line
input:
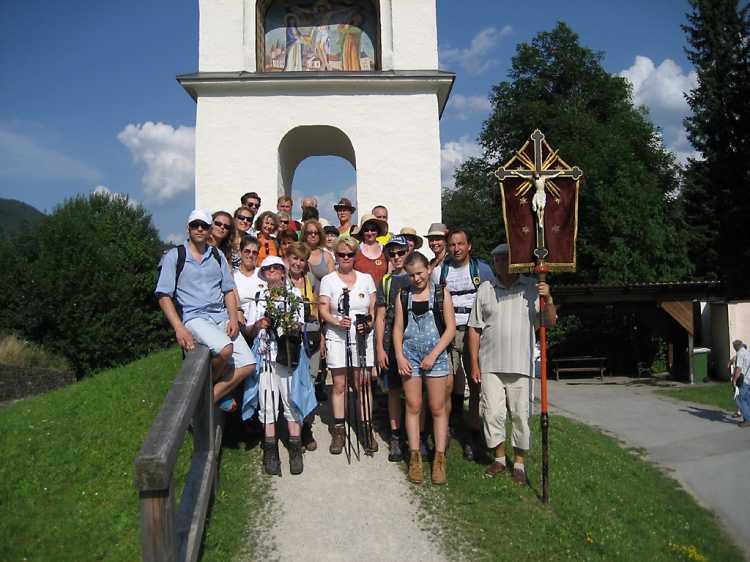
<point x="272" y="297"/>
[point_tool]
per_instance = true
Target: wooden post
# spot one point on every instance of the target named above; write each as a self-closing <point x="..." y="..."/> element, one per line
<point x="158" y="531"/>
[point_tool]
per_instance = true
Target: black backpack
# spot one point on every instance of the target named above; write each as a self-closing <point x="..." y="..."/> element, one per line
<point x="437" y="306"/>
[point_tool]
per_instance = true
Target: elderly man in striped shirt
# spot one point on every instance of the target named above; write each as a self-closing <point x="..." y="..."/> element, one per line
<point x="501" y="339"/>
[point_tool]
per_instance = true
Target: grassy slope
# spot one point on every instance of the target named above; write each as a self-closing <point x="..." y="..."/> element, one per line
<point x="605" y="503"/>
<point x="66" y="478"/>
<point x="718" y="394"/>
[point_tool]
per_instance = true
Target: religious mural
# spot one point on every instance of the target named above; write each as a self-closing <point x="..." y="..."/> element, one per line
<point x="323" y="35"/>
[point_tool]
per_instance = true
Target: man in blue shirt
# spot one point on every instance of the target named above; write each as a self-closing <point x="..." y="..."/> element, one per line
<point x="204" y="291"/>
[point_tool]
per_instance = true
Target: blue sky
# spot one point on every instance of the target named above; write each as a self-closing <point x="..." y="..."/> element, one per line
<point x="89" y="100"/>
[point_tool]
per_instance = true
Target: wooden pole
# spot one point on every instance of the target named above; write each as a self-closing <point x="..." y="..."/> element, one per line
<point x="541" y="271"/>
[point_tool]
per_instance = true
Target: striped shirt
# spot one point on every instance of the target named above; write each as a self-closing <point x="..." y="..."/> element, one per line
<point x="506" y="318"/>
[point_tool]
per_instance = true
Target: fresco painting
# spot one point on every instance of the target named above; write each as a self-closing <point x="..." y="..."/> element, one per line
<point x="323" y="35"/>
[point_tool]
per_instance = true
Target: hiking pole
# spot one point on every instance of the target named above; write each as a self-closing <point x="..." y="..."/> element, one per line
<point x="364" y="384"/>
<point x="349" y="409"/>
<point x="541" y="271"/>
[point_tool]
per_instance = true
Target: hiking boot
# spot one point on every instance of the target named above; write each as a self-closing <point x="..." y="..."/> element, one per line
<point x="744" y="424"/>
<point x="416" y="468"/>
<point x="337" y="439"/>
<point x="470" y="448"/>
<point x="271" y="461"/>
<point x="519" y="477"/>
<point x="394" y="454"/>
<point x="438" y="469"/>
<point x="494" y="469"/>
<point x="423" y="449"/>
<point x="296" y="464"/>
<point x="368" y="442"/>
<point x="308" y="441"/>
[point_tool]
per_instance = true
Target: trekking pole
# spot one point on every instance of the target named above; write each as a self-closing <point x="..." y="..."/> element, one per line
<point x="364" y="385"/>
<point x="350" y="410"/>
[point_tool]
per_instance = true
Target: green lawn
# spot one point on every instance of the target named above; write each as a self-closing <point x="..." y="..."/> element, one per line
<point x="606" y="503"/>
<point x="66" y="477"/>
<point x="718" y="394"/>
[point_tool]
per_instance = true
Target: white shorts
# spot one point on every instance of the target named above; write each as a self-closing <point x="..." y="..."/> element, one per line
<point x="214" y="337"/>
<point x="336" y="353"/>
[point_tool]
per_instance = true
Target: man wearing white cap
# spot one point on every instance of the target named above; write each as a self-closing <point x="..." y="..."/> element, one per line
<point x="196" y="294"/>
<point x="501" y="343"/>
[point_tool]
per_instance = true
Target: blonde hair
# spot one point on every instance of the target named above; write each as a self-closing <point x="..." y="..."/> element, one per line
<point x="348" y="241"/>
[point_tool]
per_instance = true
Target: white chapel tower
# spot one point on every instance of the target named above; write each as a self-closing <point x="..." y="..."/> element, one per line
<point x="279" y="81"/>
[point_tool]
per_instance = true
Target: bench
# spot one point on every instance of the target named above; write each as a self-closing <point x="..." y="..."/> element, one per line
<point x="580" y="365"/>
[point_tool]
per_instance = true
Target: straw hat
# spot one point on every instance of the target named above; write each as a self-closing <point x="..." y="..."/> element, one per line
<point x="411" y="234"/>
<point x="382" y="226"/>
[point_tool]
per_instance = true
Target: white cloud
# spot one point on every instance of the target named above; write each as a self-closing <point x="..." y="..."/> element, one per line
<point x="461" y="106"/>
<point x="106" y="191"/>
<point x="23" y="156"/>
<point x="475" y="60"/>
<point x="452" y="155"/>
<point x="662" y="87"/>
<point x="662" y="90"/>
<point x="167" y="156"/>
<point x="175" y="239"/>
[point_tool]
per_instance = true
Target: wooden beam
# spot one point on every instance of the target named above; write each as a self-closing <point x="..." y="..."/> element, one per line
<point x="682" y="311"/>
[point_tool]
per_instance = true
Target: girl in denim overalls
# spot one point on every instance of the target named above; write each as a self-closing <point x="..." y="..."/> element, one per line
<point x="421" y="353"/>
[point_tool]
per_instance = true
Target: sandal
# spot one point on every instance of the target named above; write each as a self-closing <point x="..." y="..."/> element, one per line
<point x="228" y="404"/>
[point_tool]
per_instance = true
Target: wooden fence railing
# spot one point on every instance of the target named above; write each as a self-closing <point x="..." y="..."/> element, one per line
<point x="167" y="534"/>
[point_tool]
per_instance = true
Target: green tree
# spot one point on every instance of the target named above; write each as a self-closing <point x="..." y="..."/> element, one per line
<point x="630" y="225"/>
<point x="87" y="292"/>
<point x="716" y="184"/>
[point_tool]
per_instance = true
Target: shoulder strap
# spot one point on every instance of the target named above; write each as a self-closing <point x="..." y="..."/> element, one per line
<point x="386" y="282"/>
<point x="437" y="308"/>
<point x="404" y="296"/>
<point x="179" y="266"/>
<point x="215" y="253"/>
<point x="474" y="271"/>
<point x="444" y="272"/>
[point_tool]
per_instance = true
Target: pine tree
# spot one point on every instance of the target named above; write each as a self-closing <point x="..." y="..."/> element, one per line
<point x="716" y="191"/>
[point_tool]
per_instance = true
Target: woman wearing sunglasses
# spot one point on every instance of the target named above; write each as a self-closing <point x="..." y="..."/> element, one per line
<point x="267" y="224"/>
<point x="361" y="295"/>
<point x="321" y="261"/>
<point x="275" y="379"/>
<point x="222" y="233"/>
<point x="243" y="223"/>
<point x="370" y="258"/>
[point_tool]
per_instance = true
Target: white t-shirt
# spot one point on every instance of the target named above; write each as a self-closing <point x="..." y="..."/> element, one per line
<point x="248" y="287"/>
<point x="256" y="311"/>
<point x="360" y="297"/>
<point x="458" y="281"/>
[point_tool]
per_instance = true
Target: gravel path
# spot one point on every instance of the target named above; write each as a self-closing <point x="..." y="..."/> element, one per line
<point x="336" y="511"/>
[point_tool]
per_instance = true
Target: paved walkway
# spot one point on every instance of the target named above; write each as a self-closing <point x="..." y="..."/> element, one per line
<point x="334" y="511"/>
<point x="703" y="445"/>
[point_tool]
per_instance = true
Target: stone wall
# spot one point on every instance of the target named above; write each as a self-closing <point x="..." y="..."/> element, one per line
<point x="19" y="382"/>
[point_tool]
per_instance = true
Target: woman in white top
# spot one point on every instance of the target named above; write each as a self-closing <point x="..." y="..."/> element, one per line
<point x="361" y="294"/>
<point x="247" y="280"/>
<point x="275" y="379"/>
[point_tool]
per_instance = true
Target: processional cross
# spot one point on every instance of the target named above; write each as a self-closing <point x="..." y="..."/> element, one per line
<point x="538" y="170"/>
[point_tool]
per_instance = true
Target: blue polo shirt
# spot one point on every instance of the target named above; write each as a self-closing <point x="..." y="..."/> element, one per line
<point x="201" y="287"/>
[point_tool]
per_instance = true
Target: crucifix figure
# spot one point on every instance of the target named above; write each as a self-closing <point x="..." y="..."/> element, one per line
<point x="537" y="172"/>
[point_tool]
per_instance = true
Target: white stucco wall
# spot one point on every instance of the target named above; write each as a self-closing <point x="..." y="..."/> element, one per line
<point x="395" y="140"/>
<point x="408" y="35"/>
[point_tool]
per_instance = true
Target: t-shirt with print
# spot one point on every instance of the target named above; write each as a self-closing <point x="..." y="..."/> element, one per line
<point x="459" y="280"/>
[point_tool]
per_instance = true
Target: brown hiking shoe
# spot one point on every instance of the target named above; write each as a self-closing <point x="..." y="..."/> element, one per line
<point x="438" y="468"/>
<point x="416" y="468"/>
<point x="494" y="469"/>
<point x="337" y="439"/>
<point x="519" y="477"/>
<point x="308" y="441"/>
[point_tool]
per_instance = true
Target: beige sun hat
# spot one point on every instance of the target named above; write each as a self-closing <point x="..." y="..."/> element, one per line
<point x="437" y="229"/>
<point x="382" y="226"/>
<point x="411" y="234"/>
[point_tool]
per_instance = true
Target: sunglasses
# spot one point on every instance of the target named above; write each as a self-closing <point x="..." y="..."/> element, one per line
<point x="250" y="252"/>
<point x="252" y="205"/>
<point x="348" y="256"/>
<point x="284" y="222"/>
<point x="243" y="218"/>
<point x="398" y="253"/>
<point x="221" y="225"/>
<point x="195" y="225"/>
<point x="371" y="229"/>
<point x="312" y="233"/>
<point x="274" y="267"/>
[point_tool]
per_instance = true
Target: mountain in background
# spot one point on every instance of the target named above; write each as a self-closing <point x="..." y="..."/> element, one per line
<point x="13" y="213"/>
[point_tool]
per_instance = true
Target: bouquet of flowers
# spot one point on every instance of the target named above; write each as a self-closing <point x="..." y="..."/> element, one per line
<point x="282" y="306"/>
